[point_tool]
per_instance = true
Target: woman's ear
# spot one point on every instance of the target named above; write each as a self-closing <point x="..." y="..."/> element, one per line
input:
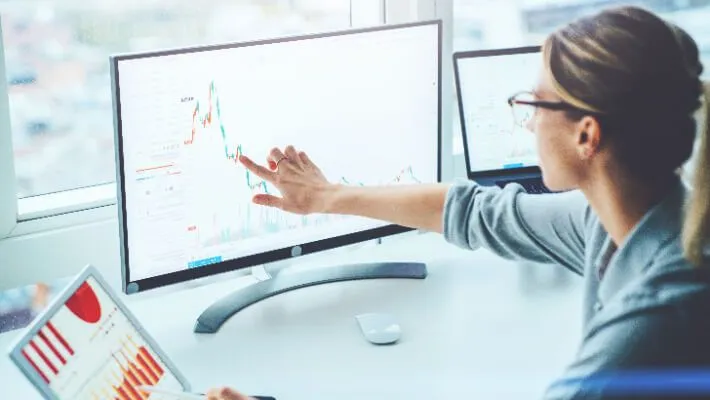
<point x="588" y="137"/>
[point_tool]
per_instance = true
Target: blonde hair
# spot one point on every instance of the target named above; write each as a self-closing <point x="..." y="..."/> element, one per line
<point x="640" y="77"/>
<point x="696" y="228"/>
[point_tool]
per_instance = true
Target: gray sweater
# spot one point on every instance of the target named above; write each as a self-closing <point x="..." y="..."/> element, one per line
<point x="646" y="316"/>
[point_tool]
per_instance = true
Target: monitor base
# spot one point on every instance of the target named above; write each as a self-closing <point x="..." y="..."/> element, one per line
<point x="211" y="320"/>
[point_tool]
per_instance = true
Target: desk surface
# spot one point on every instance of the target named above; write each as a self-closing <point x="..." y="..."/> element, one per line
<point x="478" y="327"/>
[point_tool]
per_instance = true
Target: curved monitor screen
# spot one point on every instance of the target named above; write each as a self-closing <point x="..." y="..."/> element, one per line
<point x="363" y="104"/>
<point x="493" y="140"/>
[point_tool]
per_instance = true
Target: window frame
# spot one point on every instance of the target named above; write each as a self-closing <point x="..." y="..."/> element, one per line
<point x="453" y="165"/>
<point x="8" y="186"/>
<point x="23" y="216"/>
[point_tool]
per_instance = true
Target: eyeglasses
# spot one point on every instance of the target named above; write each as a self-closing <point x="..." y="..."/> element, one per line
<point x="524" y="106"/>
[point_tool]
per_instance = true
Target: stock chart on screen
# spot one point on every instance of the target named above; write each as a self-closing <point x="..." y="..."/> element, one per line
<point x="90" y="350"/>
<point x="187" y="117"/>
<point x="494" y="140"/>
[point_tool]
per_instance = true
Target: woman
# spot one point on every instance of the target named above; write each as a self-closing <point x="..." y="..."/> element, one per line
<point x="613" y="115"/>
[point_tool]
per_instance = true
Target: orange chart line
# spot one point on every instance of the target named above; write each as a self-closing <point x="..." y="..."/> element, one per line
<point x="148" y="359"/>
<point x="155" y="167"/>
<point x="128" y="388"/>
<point x="136" y="373"/>
<point x="131" y="375"/>
<point x="144" y="365"/>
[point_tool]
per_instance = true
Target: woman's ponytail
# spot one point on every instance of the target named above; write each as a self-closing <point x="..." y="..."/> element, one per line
<point x="696" y="227"/>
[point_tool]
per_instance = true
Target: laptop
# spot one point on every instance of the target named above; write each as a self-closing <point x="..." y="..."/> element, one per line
<point x="86" y="345"/>
<point x="497" y="151"/>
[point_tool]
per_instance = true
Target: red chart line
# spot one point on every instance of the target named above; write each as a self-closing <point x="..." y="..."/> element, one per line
<point x="136" y="376"/>
<point x="49" y="344"/>
<point x="144" y="365"/>
<point x="130" y="379"/>
<point x="146" y="169"/>
<point x="34" y="365"/>
<point x="136" y="373"/>
<point x="121" y="393"/>
<point x="44" y="357"/>
<point x="59" y="337"/>
<point x="152" y="361"/>
<point x="127" y="387"/>
<point x="132" y="376"/>
<point x="132" y="391"/>
<point x="143" y="377"/>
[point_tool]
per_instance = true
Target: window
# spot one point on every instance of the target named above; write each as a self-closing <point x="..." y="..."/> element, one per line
<point x="56" y="57"/>
<point x="58" y="87"/>
<point x="507" y="23"/>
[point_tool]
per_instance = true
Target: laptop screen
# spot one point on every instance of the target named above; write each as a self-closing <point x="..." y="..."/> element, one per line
<point x="486" y="81"/>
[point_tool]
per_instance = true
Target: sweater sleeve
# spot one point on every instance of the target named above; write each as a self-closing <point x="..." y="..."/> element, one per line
<point x="545" y="228"/>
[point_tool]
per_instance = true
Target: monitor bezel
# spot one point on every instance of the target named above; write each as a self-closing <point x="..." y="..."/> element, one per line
<point x="135" y="286"/>
<point x="460" y="55"/>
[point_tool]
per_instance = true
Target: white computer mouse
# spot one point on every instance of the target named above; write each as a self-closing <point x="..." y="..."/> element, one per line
<point x="379" y="328"/>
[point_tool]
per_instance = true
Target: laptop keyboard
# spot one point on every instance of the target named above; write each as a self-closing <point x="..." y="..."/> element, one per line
<point x="531" y="185"/>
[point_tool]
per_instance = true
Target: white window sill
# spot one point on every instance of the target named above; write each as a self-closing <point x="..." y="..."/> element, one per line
<point x="65" y="202"/>
<point x="65" y="209"/>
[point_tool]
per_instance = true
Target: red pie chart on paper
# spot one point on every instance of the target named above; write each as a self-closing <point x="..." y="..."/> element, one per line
<point x="85" y="305"/>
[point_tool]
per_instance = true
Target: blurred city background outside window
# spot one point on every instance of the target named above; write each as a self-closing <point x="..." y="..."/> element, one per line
<point x="56" y="54"/>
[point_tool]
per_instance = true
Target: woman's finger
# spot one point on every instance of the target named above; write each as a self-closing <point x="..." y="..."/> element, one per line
<point x="257" y="169"/>
<point x="276" y="154"/>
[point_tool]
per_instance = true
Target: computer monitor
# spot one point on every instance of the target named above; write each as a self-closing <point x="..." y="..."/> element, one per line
<point x="365" y="104"/>
<point x="497" y="151"/>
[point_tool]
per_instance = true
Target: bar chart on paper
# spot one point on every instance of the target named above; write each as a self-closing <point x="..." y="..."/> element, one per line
<point x="125" y="371"/>
<point x="90" y="350"/>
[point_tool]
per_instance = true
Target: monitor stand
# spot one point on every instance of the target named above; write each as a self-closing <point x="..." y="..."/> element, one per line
<point x="212" y="318"/>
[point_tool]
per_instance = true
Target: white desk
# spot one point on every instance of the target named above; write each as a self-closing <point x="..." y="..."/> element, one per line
<point x="477" y="327"/>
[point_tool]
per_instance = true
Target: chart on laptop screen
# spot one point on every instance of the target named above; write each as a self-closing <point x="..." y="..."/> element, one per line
<point x="90" y="350"/>
<point x="493" y="139"/>
<point x="186" y="118"/>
